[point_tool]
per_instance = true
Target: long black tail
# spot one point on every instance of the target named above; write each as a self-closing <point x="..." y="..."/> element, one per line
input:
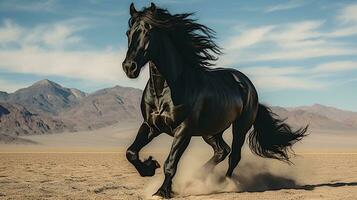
<point x="271" y="137"/>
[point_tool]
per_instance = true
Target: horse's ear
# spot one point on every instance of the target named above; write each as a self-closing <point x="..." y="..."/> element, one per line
<point x="153" y="7"/>
<point x="133" y="11"/>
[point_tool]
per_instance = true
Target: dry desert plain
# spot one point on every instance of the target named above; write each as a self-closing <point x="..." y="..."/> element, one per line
<point x="92" y="165"/>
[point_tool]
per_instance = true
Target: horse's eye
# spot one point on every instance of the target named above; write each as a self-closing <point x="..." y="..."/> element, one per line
<point x="147" y="26"/>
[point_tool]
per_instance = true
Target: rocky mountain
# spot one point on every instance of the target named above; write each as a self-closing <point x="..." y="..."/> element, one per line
<point x="16" y="120"/>
<point x="47" y="107"/>
<point x="10" y="139"/>
<point x="343" y="116"/>
<point x="316" y="120"/>
<point x="46" y="97"/>
<point x="105" y="107"/>
<point x="3" y="95"/>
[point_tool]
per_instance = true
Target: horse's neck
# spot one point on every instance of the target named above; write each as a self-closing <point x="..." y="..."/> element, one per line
<point x="173" y="70"/>
<point x="168" y="62"/>
<point x="157" y="81"/>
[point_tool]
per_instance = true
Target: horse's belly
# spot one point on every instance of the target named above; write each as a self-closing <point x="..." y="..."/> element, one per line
<point x="213" y="125"/>
<point x="217" y="118"/>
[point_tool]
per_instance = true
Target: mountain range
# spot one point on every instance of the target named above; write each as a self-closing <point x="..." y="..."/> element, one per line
<point x="47" y="107"/>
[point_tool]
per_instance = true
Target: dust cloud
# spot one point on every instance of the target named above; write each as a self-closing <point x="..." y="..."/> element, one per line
<point x="253" y="174"/>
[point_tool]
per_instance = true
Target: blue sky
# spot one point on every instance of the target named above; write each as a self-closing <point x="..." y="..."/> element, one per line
<point x="296" y="52"/>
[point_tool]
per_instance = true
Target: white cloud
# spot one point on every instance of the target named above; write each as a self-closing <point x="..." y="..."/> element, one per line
<point x="9" y="32"/>
<point x="285" y="6"/>
<point x="302" y="53"/>
<point x="32" y="6"/>
<point x="348" y="14"/>
<point x="273" y="71"/>
<point x="284" y="35"/>
<point x="291" y="41"/>
<point x="42" y="50"/>
<point x="248" y="38"/>
<point x="298" y="77"/>
<point x="58" y="34"/>
<point x="98" y="66"/>
<point x="55" y="35"/>
<point x="278" y="78"/>
<point x="273" y="83"/>
<point x="287" y="35"/>
<point x="339" y="66"/>
<point x="343" y="32"/>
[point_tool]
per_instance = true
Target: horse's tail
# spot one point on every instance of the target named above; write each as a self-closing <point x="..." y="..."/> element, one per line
<point x="272" y="137"/>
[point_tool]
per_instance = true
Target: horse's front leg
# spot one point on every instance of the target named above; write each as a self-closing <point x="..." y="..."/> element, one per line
<point x="181" y="140"/>
<point x="147" y="167"/>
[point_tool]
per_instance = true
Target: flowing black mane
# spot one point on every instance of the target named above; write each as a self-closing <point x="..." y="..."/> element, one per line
<point x="194" y="41"/>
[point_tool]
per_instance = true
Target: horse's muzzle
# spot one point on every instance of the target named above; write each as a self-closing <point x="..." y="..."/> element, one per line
<point x="131" y="69"/>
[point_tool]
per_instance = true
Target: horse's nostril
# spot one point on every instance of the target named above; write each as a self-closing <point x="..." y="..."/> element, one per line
<point x="125" y="65"/>
<point x="133" y="66"/>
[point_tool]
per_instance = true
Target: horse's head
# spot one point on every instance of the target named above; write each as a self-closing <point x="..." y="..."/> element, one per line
<point x="156" y="35"/>
<point x="139" y="40"/>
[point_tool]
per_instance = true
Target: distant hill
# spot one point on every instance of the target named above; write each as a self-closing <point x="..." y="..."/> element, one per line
<point x="105" y="107"/>
<point x="3" y="95"/>
<point x="9" y="139"/>
<point x="348" y="118"/>
<point x="316" y="120"/>
<point x="46" y="97"/>
<point x="47" y="107"/>
<point x="16" y="120"/>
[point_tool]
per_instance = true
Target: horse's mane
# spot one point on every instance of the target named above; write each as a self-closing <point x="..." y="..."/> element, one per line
<point x="194" y="41"/>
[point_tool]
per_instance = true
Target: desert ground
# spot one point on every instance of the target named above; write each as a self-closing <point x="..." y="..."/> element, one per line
<point x="92" y="165"/>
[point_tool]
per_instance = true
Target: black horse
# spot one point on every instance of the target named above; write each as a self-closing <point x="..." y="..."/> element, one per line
<point x="185" y="98"/>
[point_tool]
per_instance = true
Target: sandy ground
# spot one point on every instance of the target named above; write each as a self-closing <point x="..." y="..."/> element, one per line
<point x="92" y="165"/>
<point x="109" y="176"/>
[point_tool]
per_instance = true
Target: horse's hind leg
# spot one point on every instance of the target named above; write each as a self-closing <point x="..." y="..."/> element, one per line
<point x="240" y="128"/>
<point x="220" y="148"/>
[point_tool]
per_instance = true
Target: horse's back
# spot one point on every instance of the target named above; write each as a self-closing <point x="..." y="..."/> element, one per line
<point x="220" y="101"/>
<point x="236" y="79"/>
<point x="233" y="77"/>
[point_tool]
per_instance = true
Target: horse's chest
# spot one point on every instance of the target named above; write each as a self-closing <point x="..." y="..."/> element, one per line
<point x="165" y="118"/>
<point x="161" y="118"/>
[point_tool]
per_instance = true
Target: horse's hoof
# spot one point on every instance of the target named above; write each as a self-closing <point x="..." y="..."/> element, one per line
<point x="163" y="193"/>
<point x="149" y="167"/>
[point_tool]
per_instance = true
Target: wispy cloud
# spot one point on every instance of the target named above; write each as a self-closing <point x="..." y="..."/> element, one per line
<point x="248" y="38"/>
<point x="285" y="6"/>
<point x="55" y="35"/>
<point x="55" y="7"/>
<point x="9" y="32"/>
<point x="96" y="66"/>
<point x="30" y="6"/>
<point x="45" y="50"/>
<point x="297" y="40"/>
<point x="291" y="41"/>
<point x="348" y="13"/>
<point x="339" y="66"/>
<point x="176" y="1"/>
<point x="278" y="78"/>
<point x="299" y="77"/>
<point x="300" y="54"/>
